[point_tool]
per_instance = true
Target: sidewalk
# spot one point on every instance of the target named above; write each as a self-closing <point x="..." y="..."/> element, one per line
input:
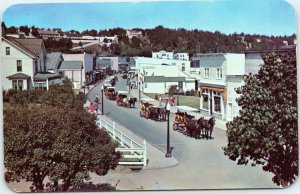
<point x="156" y="157"/>
<point x="219" y="123"/>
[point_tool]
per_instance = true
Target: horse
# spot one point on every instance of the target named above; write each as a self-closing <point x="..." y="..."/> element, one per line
<point x="193" y="127"/>
<point x="207" y="126"/>
<point x="153" y="113"/>
<point x="131" y="102"/>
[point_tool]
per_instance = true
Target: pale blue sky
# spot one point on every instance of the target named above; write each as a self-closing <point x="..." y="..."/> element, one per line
<point x="268" y="17"/>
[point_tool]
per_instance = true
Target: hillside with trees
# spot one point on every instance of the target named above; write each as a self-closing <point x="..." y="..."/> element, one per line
<point x="177" y="40"/>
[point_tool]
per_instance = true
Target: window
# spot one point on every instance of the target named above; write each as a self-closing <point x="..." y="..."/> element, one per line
<point x="217" y="101"/>
<point x="205" y="99"/>
<point x="163" y="55"/>
<point x="195" y="64"/>
<point x="219" y="73"/>
<point x="183" y="67"/>
<point x="206" y="72"/>
<point x="7" y="50"/>
<point x="17" y="84"/>
<point x="19" y="66"/>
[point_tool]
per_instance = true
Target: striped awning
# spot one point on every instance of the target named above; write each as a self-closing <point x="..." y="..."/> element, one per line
<point x="222" y="91"/>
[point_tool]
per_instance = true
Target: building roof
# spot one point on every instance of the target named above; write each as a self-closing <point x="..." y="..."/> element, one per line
<point x="73" y="65"/>
<point x="157" y="79"/>
<point x="45" y="76"/>
<point x="18" y="76"/>
<point x="48" y="32"/>
<point x="53" y="60"/>
<point x="30" y="46"/>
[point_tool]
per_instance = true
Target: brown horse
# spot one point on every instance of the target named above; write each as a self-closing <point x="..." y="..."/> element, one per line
<point x="162" y="114"/>
<point x="132" y="102"/>
<point x="193" y="127"/>
<point x="207" y="126"/>
<point x="153" y="113"/>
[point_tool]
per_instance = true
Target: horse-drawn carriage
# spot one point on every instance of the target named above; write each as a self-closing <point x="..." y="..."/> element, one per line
<point x="124" y="99"/>
<point x="110" y="93"/>
<point x="189" y="125"/>
<point x="148" y="110"/>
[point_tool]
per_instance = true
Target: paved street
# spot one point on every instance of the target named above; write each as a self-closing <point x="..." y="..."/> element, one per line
<point x="202" y="164"/>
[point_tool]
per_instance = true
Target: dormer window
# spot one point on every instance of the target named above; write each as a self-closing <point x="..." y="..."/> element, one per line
<point x="206" y="72"/>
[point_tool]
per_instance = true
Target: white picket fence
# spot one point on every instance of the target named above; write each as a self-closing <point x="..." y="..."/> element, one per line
<point x="130" y="149"/>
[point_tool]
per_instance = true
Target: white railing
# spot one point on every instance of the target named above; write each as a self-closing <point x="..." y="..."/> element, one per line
<point x="130" y="149"/>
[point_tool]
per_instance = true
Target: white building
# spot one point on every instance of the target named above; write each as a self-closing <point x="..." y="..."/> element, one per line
<point x="23" y="63"/>
<point x="161" y="84"/>
<point x="158" y="68"/>
<point x="220" y="73"/>
<point x="49" y="34"/>
<point x="87" y="74"/>
<point x="114" y="62"/>
<point x="133" y="33"/>
<point x="170" y="55"/>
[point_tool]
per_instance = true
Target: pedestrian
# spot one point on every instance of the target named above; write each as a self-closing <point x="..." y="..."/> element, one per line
<point x="92" y="108"/>
<point x="159" y="100"/>
<point x="96" y="102"/>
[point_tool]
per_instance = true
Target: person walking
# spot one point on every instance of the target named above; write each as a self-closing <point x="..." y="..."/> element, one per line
<point x="96" y="102"/>
<point x="159" y="100"/>
<point x="92" y="108"/>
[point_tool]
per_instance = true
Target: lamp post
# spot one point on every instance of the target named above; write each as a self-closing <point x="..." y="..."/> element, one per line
<point x="177" y="89"/>
<point x="102" y="99"/>
<point x="84" y="88"/>
<point x="139" y="91"/>
<point x="169" y="150"/>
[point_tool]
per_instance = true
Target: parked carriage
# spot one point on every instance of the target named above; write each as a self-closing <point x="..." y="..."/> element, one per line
<point x="124" y="99"/>
<point x="110" y="93"/>
<point x="148" y="110"/>
<point x="190" y="126"/>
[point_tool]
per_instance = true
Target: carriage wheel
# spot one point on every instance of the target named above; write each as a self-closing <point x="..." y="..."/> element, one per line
<point x="141" y="114"/>
<point x="147" y="115"/>
<point x="174" y="127"/>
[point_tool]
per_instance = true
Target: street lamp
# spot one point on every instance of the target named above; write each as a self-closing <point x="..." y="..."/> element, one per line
<point x="139" y="91"/>
<point x="177" y="89"/>
<point x="169" y="150"/>
<point x="102" y="99"/>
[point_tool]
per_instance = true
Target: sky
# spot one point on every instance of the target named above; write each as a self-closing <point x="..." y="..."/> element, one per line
<point x="267" y="17"/>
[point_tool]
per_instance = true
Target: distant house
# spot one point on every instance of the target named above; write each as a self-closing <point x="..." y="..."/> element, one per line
<point x="45" y="34"/>
<point x="253" y="59"/>
<point x="53" y="62"/>
<point x="133" y="33"/>
<point x="74" y="71"/>
<point x="87" y="74"/>
<point x="220" y="74"/>
<point x="170" y="55"/>
<point x="161" y="84"/>
<point x="124" y="63"/>
<point x="23" y="64"/>
<point x="114" y="62"/>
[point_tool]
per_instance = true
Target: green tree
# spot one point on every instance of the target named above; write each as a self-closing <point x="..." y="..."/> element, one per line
<point x="40" y="142"/>
<point x="266" y="132"/>
<point x="56" y="138"/>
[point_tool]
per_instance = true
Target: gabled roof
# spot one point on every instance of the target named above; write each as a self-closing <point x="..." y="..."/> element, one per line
<point x="156" y="79"/>
<point x="31" y="47"/>
<point x="18" y="76"/>
<point x="45" y="76"/>
<point x="53" y="60"/>
<point x="48" y="32"/>
<point x="71" y="65"/>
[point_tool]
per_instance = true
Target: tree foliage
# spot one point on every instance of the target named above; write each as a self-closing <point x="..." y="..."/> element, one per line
<point x="56" y="139"/>
<point x="266" y="132"/>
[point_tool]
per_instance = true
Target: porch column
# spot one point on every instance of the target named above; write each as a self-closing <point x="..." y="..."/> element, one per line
<point x="47" y="84"/>
<point x="201" y="101"/>
<point x="222" y="107"/>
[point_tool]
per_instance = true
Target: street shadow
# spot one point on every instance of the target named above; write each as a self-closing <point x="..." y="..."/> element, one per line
<point x="89" y="186"/>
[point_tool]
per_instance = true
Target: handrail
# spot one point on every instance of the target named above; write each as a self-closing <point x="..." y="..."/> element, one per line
<point x="130" y="145"/>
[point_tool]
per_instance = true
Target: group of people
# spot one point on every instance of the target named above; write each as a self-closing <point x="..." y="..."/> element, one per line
<point x="93" y="107"/>
<point x="170" y="100"/>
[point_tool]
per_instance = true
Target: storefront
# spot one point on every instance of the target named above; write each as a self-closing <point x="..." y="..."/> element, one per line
<point x="212" y="100"/>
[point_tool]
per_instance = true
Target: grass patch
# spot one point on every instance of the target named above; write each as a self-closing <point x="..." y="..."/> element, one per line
<point x="191" y="101"/>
